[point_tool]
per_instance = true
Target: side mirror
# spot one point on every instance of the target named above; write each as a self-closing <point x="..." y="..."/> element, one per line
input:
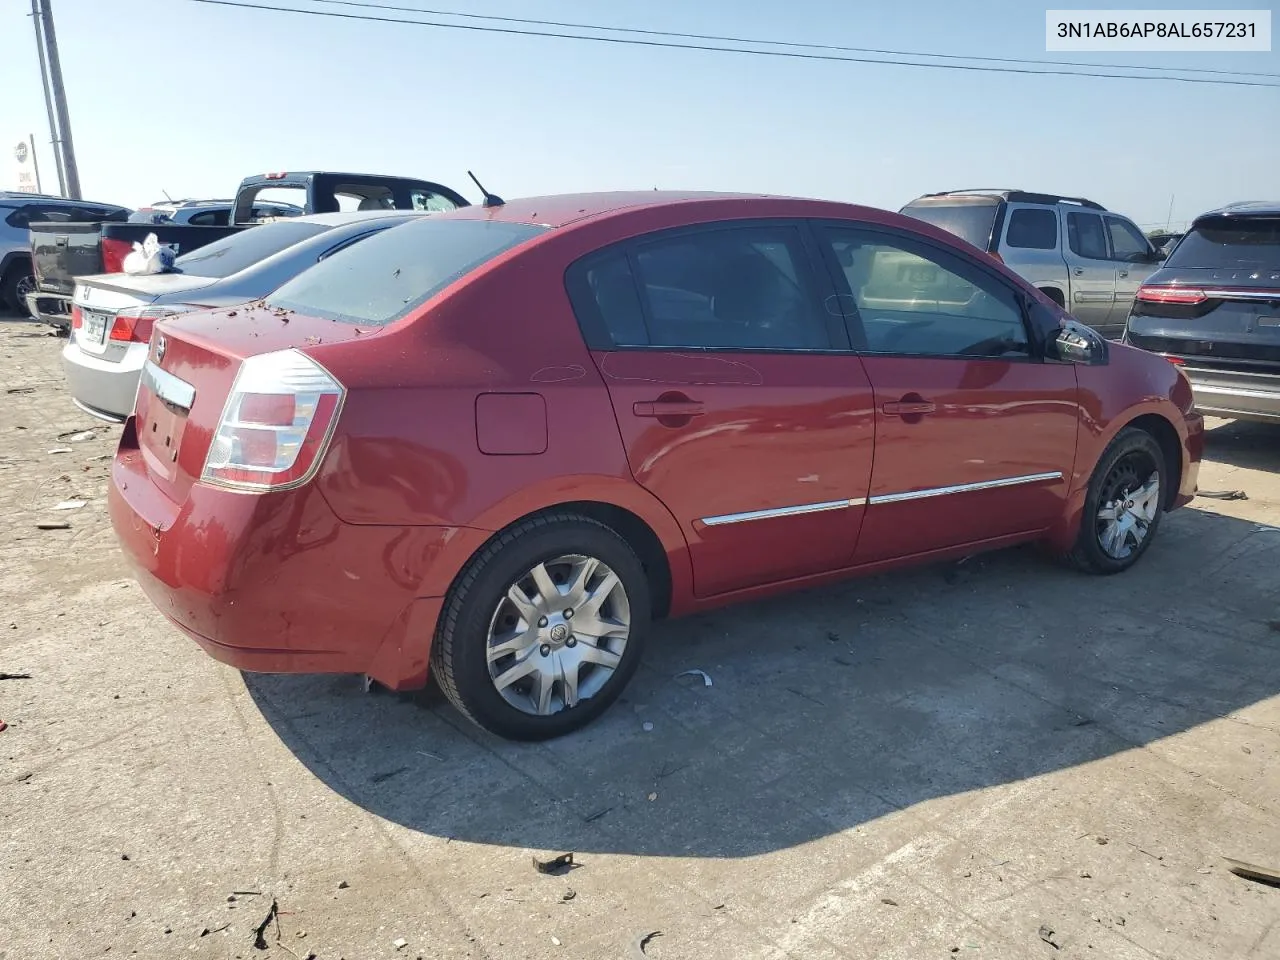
<point x="1076" y="343"/>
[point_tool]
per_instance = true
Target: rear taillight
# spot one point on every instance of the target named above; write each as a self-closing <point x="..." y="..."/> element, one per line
<point x="276" y="423"/>
<point x="77" y="317"/>
<point x="1176" y="361"/>
<point x="113" y="254"/>
<point x="1185" y="295"/>
<point x="134" y="324"/>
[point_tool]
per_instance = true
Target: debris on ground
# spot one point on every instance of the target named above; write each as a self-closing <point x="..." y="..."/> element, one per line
<point x="559" y="864"/>
<point x="647" y="727"/>
<point x="3" y="726"/>
<point x="76" y="436"/>
<point x="653" y="797"/>
<point x="400" y="943"/>
<point x="15" y="676"/>
<point x="556" y="941"/>
<point x="54" y="525"/>
<point x="342" y="885"/>
<point x="1251" y="871"/>
<point x="706" y="679"/>
<point x="642" y="941"/>
<point x="21" y="390"/>
<point x="889" y="901"/>
<point x="1046" y="934"/>
<point x="1222" y="494"/>
<point x="259" y="938"/>
<point x="1102" y="841"/>
<point x="70" y="504"/>
<point x="61" y="450"/>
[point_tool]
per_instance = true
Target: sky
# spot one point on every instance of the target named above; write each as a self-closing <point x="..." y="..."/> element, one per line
<point x="177" y="96"/>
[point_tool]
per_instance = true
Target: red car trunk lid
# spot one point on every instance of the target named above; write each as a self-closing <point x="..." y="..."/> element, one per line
<point x="190" y="369"/>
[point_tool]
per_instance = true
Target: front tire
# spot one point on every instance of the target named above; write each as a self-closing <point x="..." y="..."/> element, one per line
<point x="1124" y="504"/>
<point x="543" y="628"/>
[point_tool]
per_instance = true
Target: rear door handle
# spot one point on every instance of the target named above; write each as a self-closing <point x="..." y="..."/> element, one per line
<point x="1123" y="273"/>
<point x="899" y="408"/>
<point x="667" y="408"/>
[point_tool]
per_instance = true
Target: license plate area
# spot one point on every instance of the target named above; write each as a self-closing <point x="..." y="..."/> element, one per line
<point x="96" y="325"/>
<point x="160" y="436"/>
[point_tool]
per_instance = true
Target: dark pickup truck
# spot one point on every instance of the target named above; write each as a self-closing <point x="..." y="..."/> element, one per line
<point x="60" y="252"/>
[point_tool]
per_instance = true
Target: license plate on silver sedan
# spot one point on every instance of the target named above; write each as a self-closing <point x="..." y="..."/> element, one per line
<point x="95" y="326"/>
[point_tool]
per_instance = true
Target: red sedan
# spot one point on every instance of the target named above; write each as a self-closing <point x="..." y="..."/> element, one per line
<point x="497" y="443"/>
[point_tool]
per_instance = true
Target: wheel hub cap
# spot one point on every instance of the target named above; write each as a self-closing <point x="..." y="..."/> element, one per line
<point x="558" y="634"/>
<point x="1127" y="509"/>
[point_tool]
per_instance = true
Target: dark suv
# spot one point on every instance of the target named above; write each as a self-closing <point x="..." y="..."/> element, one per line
<point x="20" y="210"/>
<point x="1214" y="310"/>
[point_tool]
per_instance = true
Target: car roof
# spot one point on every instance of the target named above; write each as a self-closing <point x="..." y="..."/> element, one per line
<point x="1245" y="208"/>
<point x="353" y="216"/>
<point x="571" y="208"/>
<point x="8" y="197"/>
<point x="1012" y="195"/>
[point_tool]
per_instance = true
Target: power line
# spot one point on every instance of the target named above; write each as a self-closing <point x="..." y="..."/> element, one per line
<point x="782" y="43"/>
<point x="785" y="54"/>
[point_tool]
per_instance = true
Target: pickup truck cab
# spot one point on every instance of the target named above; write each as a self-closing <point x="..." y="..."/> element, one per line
<point x="18" y="211"/>
<point x="64" y="251"/>
<point x="1082" y="256"/>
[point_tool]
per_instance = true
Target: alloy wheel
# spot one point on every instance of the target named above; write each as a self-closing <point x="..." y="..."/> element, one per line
<point x="1128" y="505"/>
<point x="558" y="634"/>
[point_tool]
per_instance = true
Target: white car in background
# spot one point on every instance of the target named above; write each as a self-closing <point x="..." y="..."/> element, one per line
<point x="113" y="314"/>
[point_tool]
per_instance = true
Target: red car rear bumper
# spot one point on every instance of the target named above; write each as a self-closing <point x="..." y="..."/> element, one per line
<point x="276" y="583"/>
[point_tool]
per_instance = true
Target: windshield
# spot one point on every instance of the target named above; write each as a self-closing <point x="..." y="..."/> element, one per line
<point x="383" y="278"/>
<point x="969" y="220"/>
<point x="1230" y="242"/>
<point x="233" y="253"/>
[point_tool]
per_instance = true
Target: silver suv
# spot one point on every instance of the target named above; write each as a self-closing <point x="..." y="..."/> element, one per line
<point x="17" y="212"/>
<point x="1081" y="255"/>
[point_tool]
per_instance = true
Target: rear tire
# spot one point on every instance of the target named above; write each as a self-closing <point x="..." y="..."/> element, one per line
<point x="17" y="283"/>
<point x="1122" y="510"/>
<point x="512" y="653"/>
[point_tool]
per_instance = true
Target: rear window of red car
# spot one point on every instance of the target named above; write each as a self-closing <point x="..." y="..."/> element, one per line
<point x="381" y="279"/>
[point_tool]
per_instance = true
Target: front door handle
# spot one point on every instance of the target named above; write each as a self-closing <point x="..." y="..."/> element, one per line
<point x="1078" y="271"/>
<point x="908" y="406"/>
<point x="667" y="408"/>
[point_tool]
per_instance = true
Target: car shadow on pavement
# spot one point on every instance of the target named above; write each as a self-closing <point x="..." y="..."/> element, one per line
<point x="1237" y="443"/>
<point x="831" y="708"/>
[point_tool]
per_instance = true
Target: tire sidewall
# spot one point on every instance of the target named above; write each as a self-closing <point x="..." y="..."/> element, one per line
<point x="1128" y="441"/>
<point x="468" y="636"/>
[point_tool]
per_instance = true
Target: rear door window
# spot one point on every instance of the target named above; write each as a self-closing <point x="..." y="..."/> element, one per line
<point x="1233" y="243"/>
<point x="1086" y="237"/>
<point x="389" y="275"/>
<point x="1032" y="229"/>
<point x="741" y="287"/>
<point x="1127" y="241"/>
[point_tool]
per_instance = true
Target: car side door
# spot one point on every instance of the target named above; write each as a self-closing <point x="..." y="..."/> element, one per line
<point x="1135" y="260"/>
<point x="1091" y="271"/>
<point x="738" y="400"/>
<point x="975" y="435"/>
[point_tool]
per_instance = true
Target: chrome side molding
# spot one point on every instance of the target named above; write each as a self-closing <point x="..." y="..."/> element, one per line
<point x="965" y="488"/>
<point x="826" y="505"/>
<point x="782" y="512"/>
